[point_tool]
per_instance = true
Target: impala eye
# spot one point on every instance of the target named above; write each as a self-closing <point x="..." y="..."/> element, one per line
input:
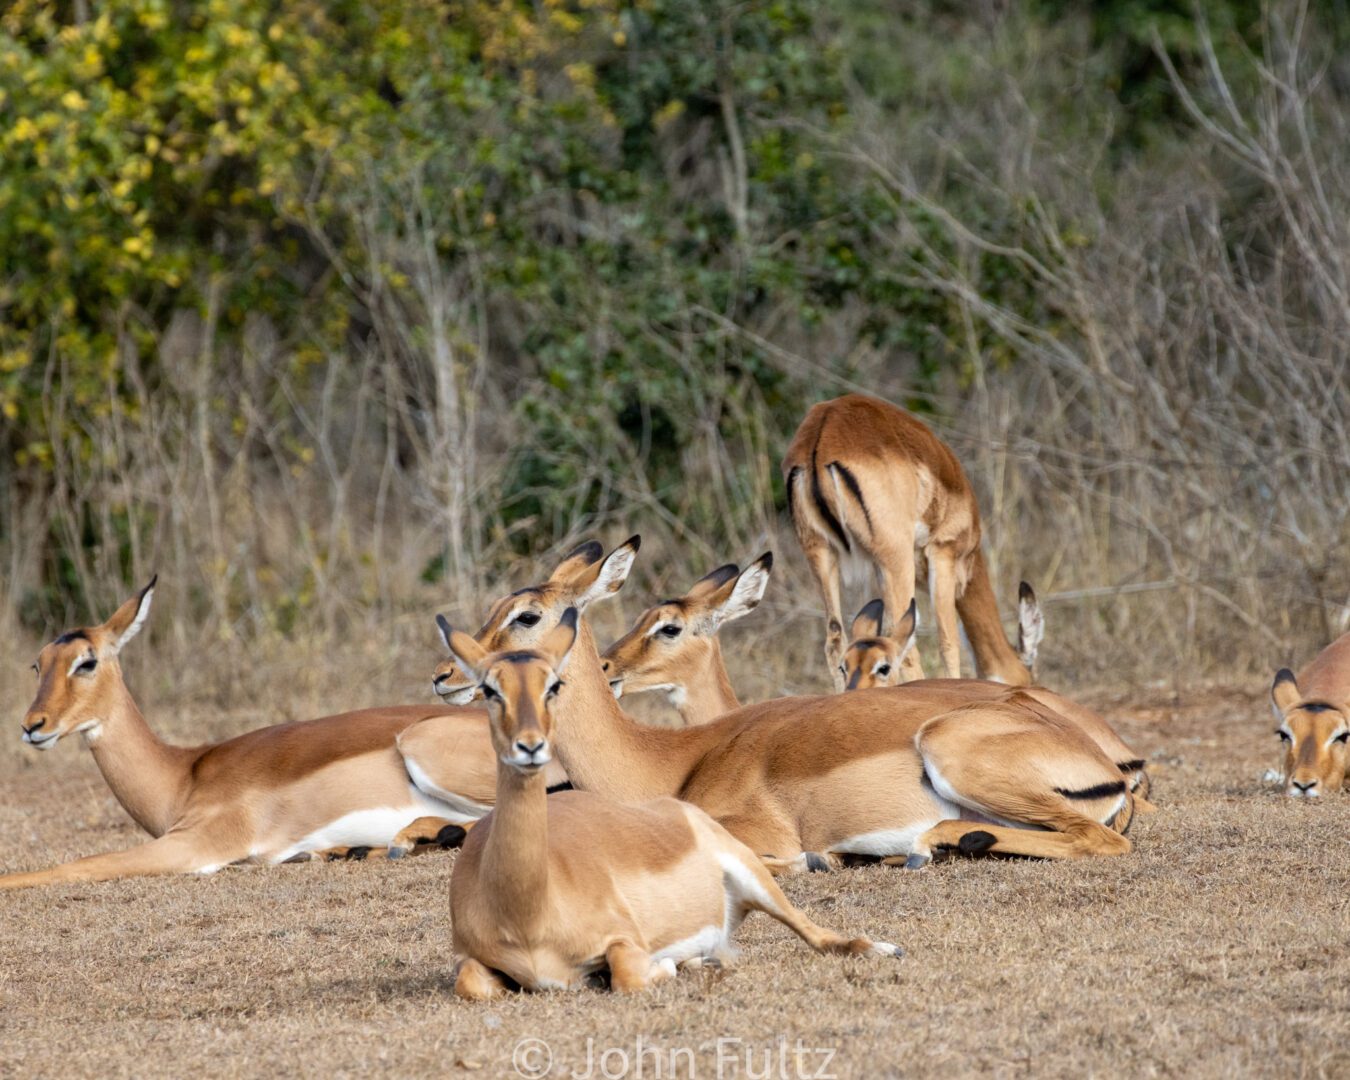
<point x="488" y="692"/>
<point x="1342" y="737"/>
<point x="1284" y="735"/>
<point x="557" y="685"/>
<point x="528" y="618"/>
<point x="86" y="667"/>
<point x="883" y="669"/>
<point x="670" y="630"/>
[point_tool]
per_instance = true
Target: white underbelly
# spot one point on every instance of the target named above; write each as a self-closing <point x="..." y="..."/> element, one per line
<point x="374" y="826"/>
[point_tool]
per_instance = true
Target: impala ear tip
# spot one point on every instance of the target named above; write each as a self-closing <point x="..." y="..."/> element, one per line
<point x="443" y="623"/>
<point x="634" y="542"/>
<point x="1284" y="675"/>
<point x="154" y="580"/>
<point x="1025" y="593"/>
<point x="766" y="560"/>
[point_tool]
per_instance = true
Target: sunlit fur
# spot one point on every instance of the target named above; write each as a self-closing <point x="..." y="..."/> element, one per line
<point x="865" y="477"/>
<point x="266" y="796"/>
<point x="1313" y="714"/>
<point x="798" y="779"/>
<point x="674" y="646"/>
<point x="551" y="892"/>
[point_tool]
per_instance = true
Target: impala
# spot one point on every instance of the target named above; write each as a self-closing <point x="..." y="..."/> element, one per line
<point x="689" y="666"/>
<point x="1314" y="715"/>
<point x="895" y="773"/>
<point x="552" y="891"/>
<point x="269" y="796"/>
<point x="673" y="646"/>
<point x="866" y="478"/>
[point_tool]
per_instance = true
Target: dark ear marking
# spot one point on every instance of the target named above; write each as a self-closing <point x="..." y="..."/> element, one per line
<point x="720" y="576"/>
<point x="569" y="618"/>
<point x="1026" y="593"/>
<point x="591" y="550"/>
<point x="1284" y="675"/>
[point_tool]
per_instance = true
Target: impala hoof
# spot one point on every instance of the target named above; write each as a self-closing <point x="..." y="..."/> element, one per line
<point x="885" y="948"/>
<point x="356" y="854"/>
<point x="977" y="842"/>
<point x="817" y="863"/>
<point x="397" y="852"/>
<point x="451" y="836"/>
<point x="917" y="862"/>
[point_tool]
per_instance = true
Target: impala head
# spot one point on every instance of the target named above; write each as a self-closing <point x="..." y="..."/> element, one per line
<point x="520" y="620"/>
<point x="876" y="649"/>
<point x="78" y="674"/>
<point x="520" y="687"/>
<point x="1314" y="734"/>
<point x="674" y="640"/>
<point x="1030" y="627"/>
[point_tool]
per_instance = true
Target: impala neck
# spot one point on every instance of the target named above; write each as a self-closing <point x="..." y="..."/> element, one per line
<point x="605" y="750"/>
<point x="994" y="657"/>
<point x="150" y="778"/>
<point x="708" y="693"/>
<point x="515" y="856"/>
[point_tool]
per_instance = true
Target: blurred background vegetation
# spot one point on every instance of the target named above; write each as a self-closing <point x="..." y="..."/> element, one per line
<point x="337" y="311"/>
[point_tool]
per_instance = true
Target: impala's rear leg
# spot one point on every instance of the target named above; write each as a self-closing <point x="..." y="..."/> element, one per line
<point x="174" y="853"/>
<point x="427" y="830"/>
<point x="758" y="891"/>
<point x="631" y="968"/>
<point x="942" y="591"/>
<point x="823" y="560"/>
<point x="772" y="836"/>
<point x="895" y="568"/>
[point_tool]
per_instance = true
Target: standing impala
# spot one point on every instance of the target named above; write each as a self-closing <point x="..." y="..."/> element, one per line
<point x="674" y="647"/>
<point x="896" y="773"/>
<point x="865" y="477"/>
<point x="269" y="796"/>
<point x="551" y="891"/>
<point x="1314" y="715"/>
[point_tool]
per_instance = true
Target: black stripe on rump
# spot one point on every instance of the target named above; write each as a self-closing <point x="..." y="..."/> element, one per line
<point x="851" y="482"/>
<point x="792" y="475"/>
<point x="823" y="508"/>
<point x="1131" y="766"/>
<point x="566" y="785"/>
<point x="1097" y="791"/>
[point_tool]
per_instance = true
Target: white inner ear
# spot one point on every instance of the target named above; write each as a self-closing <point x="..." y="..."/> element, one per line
<point x="142" y="613"/>
<point x="613" y="573"/>
<point x="745" y="597"/>
<point x="1031" y="631"/>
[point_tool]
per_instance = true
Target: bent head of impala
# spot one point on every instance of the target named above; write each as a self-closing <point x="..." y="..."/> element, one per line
<point x="522" y="619"/>
<point x="78" y="674"/>
<point x="520" y="687"/>
<point x="876" y="649"/>
<point x="1314" y="734"/>
<point x="675" y="641"/>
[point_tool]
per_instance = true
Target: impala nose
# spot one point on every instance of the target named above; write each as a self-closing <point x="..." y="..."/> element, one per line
<point x="604" y="665"/>
<point x="530" y="747"/>
<point x="36" y="725"/>
<point x="1305" y="787"/>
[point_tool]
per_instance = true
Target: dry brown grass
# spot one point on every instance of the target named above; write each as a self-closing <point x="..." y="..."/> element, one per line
<point x="1215" y="948"/>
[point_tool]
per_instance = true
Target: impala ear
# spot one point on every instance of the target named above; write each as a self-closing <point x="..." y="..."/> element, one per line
<point x="1284" y="692"/>
<point x="607" y="577"/>
<point x="711" y="583"/>
<point x="1030" y="625"/>
<point x="464" y="650"/>
<point x="126" y="621"/>
<point x="868" y="622"/>
<point x="577" y="561"/>
<point x="906" y="630"/>
<point x="558" y="642"/>
<point x="748" y="590"/>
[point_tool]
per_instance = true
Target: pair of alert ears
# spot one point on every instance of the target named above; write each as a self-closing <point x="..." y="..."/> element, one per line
<point x="474" y="660"/>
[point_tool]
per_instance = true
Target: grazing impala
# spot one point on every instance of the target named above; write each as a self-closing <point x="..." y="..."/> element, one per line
<point x="1314" y="715"/>
<point x="865" y="477"/>
<point x="803" y="781"/>
<point x="550" y="892"/>
<point x="272" y="795"/>
<point x="875" y="650"/>
<point x="673" y="646"/>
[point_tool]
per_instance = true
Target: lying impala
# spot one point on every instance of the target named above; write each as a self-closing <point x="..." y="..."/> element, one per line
<point x="866" y="477"/>
<point x="549" y="892"/>
<point x="673" y="646"/>
<point x="1314" y="715"/>
<point x="894" y="773"/>
<point x="268" y="796"/>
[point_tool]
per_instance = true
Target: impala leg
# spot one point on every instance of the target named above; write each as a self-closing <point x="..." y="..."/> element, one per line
<point x="895" y="569"/>
<point x="1075" y="837"/>
<point x="175" y="853"/>
<point x="427" y="830"/>
<point x="824" y="563"/>
<point x="478" y="982"/>
<point x="631" y="968"/>
<point x="771" y="835"/>
<point x="942" y="592"/>
<point x="759" y="892"/>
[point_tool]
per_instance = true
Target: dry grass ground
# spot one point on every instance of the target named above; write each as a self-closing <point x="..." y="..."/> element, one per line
<point x="1216" y="948"/>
